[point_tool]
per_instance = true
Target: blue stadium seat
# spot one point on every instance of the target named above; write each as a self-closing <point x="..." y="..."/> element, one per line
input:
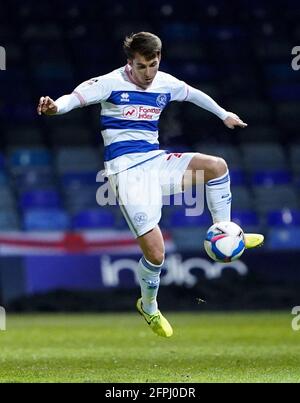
<point x="27" y="157"/>
<point x="271" y="178"/>
<point x="278" y="72"/>
<point x="77" y="179"/>
<point x="93" y="219"/>
<point x="285" y="92"/>
<point x="34" y="178"/>
<point x="237" y="177"/>
<point x="178" y="218"/>
<point x="279" y="239"/>
<point x="246" y="217"/>
<point x="50" y="219"/>
<point x="80" y="198"/>
<point x="284" y="217"/>
<point x="40" y="198"/>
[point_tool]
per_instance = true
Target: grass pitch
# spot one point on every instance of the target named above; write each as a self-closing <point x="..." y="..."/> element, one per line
<point x="210" y="347"/>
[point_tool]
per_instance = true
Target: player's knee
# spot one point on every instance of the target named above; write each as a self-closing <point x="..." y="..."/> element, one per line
<point x="155" y="257"/>
<point x="216" y="167"/>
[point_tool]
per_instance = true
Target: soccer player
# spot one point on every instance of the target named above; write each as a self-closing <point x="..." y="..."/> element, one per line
<point x="132" y="98"/>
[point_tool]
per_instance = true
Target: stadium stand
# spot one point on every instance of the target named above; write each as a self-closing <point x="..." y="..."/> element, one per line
<point x="48" y="166"/>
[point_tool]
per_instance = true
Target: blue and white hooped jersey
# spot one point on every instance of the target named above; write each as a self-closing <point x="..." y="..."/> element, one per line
<point x="130" y="114"/>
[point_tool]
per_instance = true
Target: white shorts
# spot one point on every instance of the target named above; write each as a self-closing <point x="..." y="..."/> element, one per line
<point x="139" y="190"/>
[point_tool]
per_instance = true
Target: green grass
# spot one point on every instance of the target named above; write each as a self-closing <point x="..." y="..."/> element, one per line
<point x="210" y="347"/>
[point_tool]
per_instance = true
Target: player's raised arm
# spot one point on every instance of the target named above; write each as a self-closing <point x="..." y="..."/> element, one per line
<point x="199" y="98"/>
<point x="62" y="105"/>
<point x="87" y="93"/>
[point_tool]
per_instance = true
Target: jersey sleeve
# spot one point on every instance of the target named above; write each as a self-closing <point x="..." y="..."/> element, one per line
<point x="179" y="89"/>
<point x="93" y="91"/>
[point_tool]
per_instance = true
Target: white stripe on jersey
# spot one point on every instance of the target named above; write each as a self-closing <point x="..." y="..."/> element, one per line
<point x="114" y="135"/>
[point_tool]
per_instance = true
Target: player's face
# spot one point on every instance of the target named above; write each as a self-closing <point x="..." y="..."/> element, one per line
<point x="143" y="71"/>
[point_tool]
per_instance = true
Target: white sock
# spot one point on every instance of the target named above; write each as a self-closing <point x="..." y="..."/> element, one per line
<point x="218" y="197"/>
<point x="149" y="278"/>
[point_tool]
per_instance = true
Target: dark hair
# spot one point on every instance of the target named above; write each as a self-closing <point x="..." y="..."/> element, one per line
<point x="144" y="43"/>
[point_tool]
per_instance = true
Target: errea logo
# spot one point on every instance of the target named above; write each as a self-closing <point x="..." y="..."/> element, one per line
<point x="124" y="97"/>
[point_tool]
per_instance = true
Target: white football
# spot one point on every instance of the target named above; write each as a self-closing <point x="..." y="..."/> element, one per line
<point x="224" y="242"/>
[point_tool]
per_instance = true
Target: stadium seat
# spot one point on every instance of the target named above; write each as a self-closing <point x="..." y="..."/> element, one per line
<point x="29" y="157"/>
<point x="242" y="198"/>
<point x="179" y="218"/>
<point x="288" y="115"/>
<point x="3" y="179"/>
<point x="252" y="111"/>
<point x="283" y="217"/>
<point x="7" y="199"/>
<point x="80" y="198"/>
<point x="294" y="152"/>
<point x="285" y="92"/>
<point x="245" y="217"/>
<point x="40" y="198"/>
<point x="263" y="156"/>
<point x="228" y="152"/>
<point x="237" y="177"/>
<point x="189" y="240"/>
<point x="261" y="134"/>
<point x="77" y="179"/>
<point x="278" y="72"/>
<point x="24" y="136"/>
<point x="280" y="239"/>
<point x="34" y="178"/>
<point x="78" y="159"/>
<point x="271" y="178"/>
<point x="93" y="219"/>
<point x="9" y="220"/>
<point x="71" y="136"/>
<point x="275" y="198"/>
<point x="50" y="219"/>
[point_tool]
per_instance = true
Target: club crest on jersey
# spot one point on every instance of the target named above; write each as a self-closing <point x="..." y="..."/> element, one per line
<point x="124" y="97"/>
<point x="140" y="219"/>
<point x="161" y="100"/>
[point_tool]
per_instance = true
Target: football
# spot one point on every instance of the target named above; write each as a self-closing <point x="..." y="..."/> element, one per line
<point x="224" y="242"/>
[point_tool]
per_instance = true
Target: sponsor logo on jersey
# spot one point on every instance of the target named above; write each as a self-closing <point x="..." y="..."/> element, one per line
<point x="161" y="100"/>
<point x="177" y="155"/>
<point x="124" y="97"/>
<point x="130" y="112"/>
<point x="141" y="112"/>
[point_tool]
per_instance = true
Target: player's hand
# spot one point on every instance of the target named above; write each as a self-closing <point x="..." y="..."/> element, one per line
<point x="46" y="106"/>
<point x="233" y="120"/>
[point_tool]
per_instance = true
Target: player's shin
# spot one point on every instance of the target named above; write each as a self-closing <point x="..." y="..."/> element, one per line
<point x="149" y="278"/>
<point x="218" y="197"/>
